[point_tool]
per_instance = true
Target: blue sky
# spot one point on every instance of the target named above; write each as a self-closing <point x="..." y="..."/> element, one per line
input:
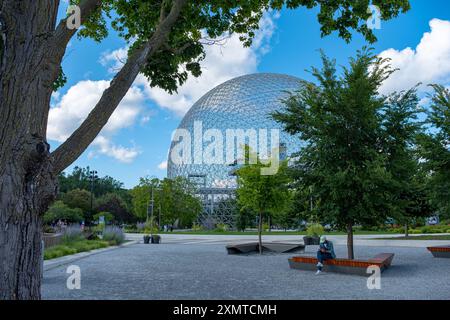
<point x="135" y="142"/>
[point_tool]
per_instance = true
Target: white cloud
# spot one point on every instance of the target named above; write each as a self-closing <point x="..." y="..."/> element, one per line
<point x="114" y="60"/>
<point x="428" y="63"/>
<point x="71" y="109"/>
<point x="120" y="153"/>
<point x="162" y="165"/>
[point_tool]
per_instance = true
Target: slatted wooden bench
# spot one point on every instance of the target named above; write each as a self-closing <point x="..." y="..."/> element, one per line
<point x="440" y="251"/>
<point x="358" y="267"/>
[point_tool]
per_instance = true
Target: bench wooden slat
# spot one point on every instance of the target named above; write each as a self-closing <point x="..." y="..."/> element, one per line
<point x="383" y="261"/>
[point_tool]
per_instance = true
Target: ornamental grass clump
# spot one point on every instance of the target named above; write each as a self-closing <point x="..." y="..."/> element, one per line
<point x="114" y="234"/>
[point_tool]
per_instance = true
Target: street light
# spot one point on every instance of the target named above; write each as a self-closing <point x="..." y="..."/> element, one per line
<point x="92" y="176"/>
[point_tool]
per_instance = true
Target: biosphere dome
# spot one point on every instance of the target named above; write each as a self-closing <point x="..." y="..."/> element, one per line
<point x="242" y="104"/>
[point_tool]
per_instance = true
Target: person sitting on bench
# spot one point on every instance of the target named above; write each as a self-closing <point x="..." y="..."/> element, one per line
<point x="325" y="252"/>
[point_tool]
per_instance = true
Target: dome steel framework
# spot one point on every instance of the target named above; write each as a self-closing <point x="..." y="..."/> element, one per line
<point x="244" y="102"/>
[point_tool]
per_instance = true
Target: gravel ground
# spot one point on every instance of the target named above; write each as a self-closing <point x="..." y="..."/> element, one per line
<point x="205" y="271"/>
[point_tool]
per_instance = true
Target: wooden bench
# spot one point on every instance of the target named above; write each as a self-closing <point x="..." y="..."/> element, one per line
<point x="440" y="251"/>
<point x="358" y="267"/>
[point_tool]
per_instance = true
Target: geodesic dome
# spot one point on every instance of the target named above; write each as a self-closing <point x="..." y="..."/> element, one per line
<point x="244" y="102"/>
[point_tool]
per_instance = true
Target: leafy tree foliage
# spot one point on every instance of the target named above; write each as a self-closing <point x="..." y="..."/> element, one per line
<point x="60" y="211"/>
<point x="173" y="198"/>
<point x="435" y="150"/>
<point x="262" y="194"/>
<point x="116" y="206"/>
<point x="78" y="198"/>
<point x="401" y="127"/>
<point x="80" y="179"/>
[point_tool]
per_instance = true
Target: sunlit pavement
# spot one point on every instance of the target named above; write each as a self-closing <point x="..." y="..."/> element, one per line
<point x="188" y="267"/>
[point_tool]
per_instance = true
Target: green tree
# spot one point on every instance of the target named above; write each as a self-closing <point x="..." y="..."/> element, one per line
<point x="401" y="126"/>
<point x="141" y="195"/>
<point x="339" y="119"/>
<point x="166" y="39"/>
<point x="174" y="199"/>
<point x="114" y="204"/>
<point x="60" y="211"/>
<point x="244" y="218"/>
<point x="80" y="178"/>
<point x="178" y="202"/>
<point x="78" y="198"/>
<point x="434" y="149"/>
<point x="264" y="194"/>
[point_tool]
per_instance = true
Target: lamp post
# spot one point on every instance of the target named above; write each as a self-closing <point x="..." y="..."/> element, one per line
<point x="92" y="176"/>
<point x="150" y="209"/>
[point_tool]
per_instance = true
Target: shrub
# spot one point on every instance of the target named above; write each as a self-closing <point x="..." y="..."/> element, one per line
<point x="221" y="227"/>
<point x="72" y="233"/>
<point x="414" y="231"/>
<point x="114" y="234"/>
<point x="433" y="229"/>
<point x="197" y="227"/>
<point x="60" y="211"/>
<point x="140" y="226"/>
<point x="315" y="230"/>
<point x="72" y="248"/>
<point x="265" y="227"/>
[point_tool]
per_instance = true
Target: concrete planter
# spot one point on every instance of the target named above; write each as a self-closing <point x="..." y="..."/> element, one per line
<point x="156" y="239"/>
<point x="310" y="240"/>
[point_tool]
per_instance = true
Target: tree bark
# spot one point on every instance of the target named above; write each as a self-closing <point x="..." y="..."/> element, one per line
<point x="350" y="251"/>
<point x="26" y="180"/>
<point x="406" y="229"/>
<point x="260" y="225"/>
<point x="31" y="51"/>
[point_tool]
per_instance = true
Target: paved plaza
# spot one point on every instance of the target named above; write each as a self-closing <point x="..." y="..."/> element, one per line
<point x="186" y="267"/>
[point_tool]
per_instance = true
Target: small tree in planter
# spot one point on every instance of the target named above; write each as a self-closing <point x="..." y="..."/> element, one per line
<point x="260" y="190"/>
<point x="313" y="233"/>
<point x="150" y="229"/>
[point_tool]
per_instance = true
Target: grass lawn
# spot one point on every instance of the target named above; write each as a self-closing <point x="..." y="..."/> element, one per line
<point x="433" y="237"/>
<point x="74" y="247"/>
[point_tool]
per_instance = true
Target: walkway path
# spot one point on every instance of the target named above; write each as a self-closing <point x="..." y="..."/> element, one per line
<point x="198" y="268"/>
<point x="363" y="240"/>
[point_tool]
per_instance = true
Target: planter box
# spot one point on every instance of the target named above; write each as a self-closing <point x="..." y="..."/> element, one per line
<point x="440" y="251"/>
<point x="347" y="266"/>
<point x="147" y="239"/>
<point x="311" y="241"/>
<point x="156" y="239"/>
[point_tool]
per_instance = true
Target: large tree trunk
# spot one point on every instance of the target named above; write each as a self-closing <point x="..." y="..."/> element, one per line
<point x="27" y="187"/>
<point x="27" y="184"/>
<point x="260" y="225"/>
<point x="31" y="51"/>
<point x="350" y="251"/>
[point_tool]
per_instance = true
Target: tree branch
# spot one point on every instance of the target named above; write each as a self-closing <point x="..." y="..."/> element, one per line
<point x="75" y="145"/>
<point x="62" y="34"/>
